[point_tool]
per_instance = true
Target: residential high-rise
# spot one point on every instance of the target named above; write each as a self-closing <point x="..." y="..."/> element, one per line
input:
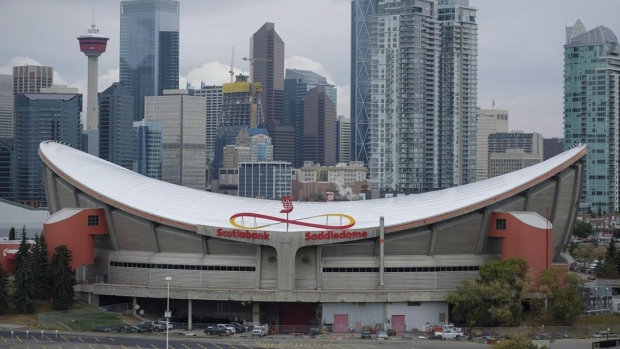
<point x="149" y="49"/>
<point x="489" y="121"/>
<point x="265" y="179"/>
<point x="6" y="106"/>
<point x="116" y="134"/>
<point x="458" y="92"/>
<point x="319" y="118"/>
<point x="343" y="139"/>
<point x="31" y="78"/>
<point x="148" y="147"/>
<point x="511" y="160"/>
<point x="183" y="136"/>
<point x="7" y="169"/>
<point x="267" y="68"/>
<point x="403" y="119"/>
<point x="41" y="117"/>
<point x="297" y="83"/>
<point x="552" y="147"/>
<point x="591" y="113"/>
<point x="422" y="116"/>
<point x="362" y="14"/>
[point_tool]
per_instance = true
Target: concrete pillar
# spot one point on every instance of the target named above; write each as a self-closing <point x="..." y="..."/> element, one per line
<point x="256" y="313"/>
<point x="381" y="251"/>
<point x="189" y="314"/>
<point x="286" y="266"/>
<point x="133" y="306"/>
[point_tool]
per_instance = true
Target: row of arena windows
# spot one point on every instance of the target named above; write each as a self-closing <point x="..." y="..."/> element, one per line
<point x="325" y="270"/>
<point x="182" y="266"/>
<point x="402" y="269"/>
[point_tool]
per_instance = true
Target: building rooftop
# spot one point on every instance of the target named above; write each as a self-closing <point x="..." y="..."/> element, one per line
<point x="189" y="208"/>
<point x="598" y="35"/>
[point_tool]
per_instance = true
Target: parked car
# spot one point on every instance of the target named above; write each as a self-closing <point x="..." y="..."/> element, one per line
<point x="381" y="334"/>
<point x="366" y="334"/>
<point x="259" y="330"/>
<point x="231" y="329"/>
<point x="239" y="328"/>
<point x="215" y="330"/>
<point x="601" y="334"/>
<point x="164" y="324"/>
<point x="103" y="329"/>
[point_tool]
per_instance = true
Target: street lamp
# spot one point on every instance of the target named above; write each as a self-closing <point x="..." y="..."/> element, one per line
<point x="167" y="314"/>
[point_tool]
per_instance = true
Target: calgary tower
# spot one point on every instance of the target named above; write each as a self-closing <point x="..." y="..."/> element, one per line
<point x="93" y="45"/>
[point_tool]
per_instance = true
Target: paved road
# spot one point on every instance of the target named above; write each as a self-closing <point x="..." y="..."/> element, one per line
<point x="73" y="340"/>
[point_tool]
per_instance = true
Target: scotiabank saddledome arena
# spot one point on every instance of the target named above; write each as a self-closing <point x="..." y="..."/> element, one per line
<point x="380" y="263"/>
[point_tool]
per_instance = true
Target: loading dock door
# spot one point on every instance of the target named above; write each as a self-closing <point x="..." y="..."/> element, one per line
<point x="341" y="323"/>
<point x="398" y="323"/>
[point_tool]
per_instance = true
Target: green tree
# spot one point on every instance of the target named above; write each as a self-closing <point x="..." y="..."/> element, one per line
<point x="582" y="229"/>
<point x="561" y="288"/>
<point x="495" y="298"/>
<point x="12" y="233"/>
<point x="42" y="260"/>
<point x="517" y="343"/>
<point x="25" y="285"/>
<point x="63" y="279"/>
<point x="4" y="292"/>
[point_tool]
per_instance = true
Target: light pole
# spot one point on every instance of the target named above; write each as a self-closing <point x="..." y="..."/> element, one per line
<point x="167" y="314"/>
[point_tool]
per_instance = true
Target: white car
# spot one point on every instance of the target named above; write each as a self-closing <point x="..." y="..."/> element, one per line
<point x="164" y="324"/>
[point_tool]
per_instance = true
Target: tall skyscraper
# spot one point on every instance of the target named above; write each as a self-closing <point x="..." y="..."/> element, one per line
<point x="403" y="119"/>
<point x="215" y="100"/>
<point x="7" y="169"/>
<point x="343" y="139"/>
<point x="458" y="92"/>
<point x="148" y="147"/>
<point x="319" y="118"/>
<point x="297" y="83"/>
<point x="40" y="117"/>
<point x="183" y="136"/>
<point x="362" y="13"/>
<point x="149" y="49"/>
<point x="489" y="121"/>
<point x="6" y="106"/>
<point x="591" y="113"/>
<point x="116" y="132"/>
<point x="92" y="44"/>
<point x="422" y="119"/>
<point x="267" y="68"/>
<point x="31" y="78"/>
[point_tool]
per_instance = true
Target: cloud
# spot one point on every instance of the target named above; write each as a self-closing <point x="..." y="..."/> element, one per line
<point x="210" y="73"/>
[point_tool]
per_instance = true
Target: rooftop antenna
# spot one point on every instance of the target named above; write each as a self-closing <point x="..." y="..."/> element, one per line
<point x="232" y="61"/>
<point x="93" y="25"/>
<point x="494" y="104"/>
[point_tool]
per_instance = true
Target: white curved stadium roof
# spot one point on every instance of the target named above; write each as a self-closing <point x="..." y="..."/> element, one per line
<point x="184" y="207"/>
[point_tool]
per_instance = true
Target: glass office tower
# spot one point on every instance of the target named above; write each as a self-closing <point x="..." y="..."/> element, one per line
<point x="591" y="112"/>
<point x="149" y="49"/>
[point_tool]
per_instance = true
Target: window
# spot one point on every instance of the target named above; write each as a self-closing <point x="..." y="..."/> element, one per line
<point x="442" y="317"/>
<point x="93" y="220"/>
<point x="500" y="224"/>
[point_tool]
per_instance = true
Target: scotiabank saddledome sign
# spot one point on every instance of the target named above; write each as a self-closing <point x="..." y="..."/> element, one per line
<point x="332" y="231"/>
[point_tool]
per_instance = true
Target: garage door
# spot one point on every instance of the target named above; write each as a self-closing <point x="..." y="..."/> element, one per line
<point x="398" y="323"/>
<point x="341" y="323"/>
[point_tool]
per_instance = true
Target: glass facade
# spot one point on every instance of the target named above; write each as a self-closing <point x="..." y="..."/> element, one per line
<point x="148" y="146"/>
<point x="149" y="49"/>
<point x="42" y="117"/>
<point x="592" y="112"/>
<point x="6" y="106"/>
<point x="297" y="84"/>
<point x="266" y="180"/>
<point x="115" y="126"/>
<point x="362" y="13"/>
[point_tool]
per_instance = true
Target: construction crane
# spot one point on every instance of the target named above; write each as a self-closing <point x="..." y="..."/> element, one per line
<point x="232" y="61"/>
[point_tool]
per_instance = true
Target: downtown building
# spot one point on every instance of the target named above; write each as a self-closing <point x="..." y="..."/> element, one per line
<point x="116" y="134"/>
<point x="149" y="49"/>
<point x="421" y="108"/>
<point x="52" y="114"/>
<point x="592" y="111"/>
<point x="489" y="121"/>
<point x="267" y="68"/>
<point x="215" y="100"/>
<point x="148" y="148"/>
<point x="183" y="126"/>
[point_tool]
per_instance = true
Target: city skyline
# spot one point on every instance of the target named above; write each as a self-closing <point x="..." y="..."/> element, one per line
<point x="520" y="51"/>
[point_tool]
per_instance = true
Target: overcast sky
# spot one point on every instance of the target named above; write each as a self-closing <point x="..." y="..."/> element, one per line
<point x="520" y="44"/>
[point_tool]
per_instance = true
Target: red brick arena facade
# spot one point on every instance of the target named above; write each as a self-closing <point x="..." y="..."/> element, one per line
<point x="387" y="262"/>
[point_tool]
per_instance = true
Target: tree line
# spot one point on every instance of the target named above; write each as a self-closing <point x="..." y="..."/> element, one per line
<point x="38" y="278"/>
<point x="505" y="288"/>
